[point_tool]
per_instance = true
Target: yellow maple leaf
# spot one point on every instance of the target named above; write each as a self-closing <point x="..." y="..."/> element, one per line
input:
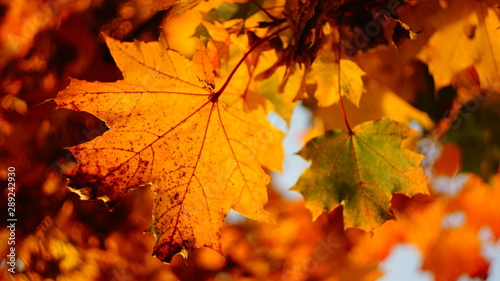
<point x="467" y="36"/>
<point x="335" y="77"/>
<point x="325" y="74"/>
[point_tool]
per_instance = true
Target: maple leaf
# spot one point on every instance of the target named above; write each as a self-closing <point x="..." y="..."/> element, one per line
<point x="325" y="74"/>
<point x="335" y="77"/>
<point x="472" y="27"/>
<point x="456" y="252"/>
<point x="168" y="128"/>
<point x="479" y="202"/>
<point x="360" y="171"/>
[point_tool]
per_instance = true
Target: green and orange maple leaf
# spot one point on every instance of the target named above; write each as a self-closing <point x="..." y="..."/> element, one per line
<point x="360" y="170"/>
<point x="169" y="129"/>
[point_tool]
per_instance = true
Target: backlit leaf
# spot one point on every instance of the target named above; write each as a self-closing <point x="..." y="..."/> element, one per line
<point x="467" y="36"/>
<point x="360" y="171"/>
<point x="325" y="74"/>
<point x="199" y="154"/>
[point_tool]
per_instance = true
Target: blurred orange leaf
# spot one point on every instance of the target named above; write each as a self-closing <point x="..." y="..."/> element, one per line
<point x="479" y="201"/>
<point x="456" y="252"/>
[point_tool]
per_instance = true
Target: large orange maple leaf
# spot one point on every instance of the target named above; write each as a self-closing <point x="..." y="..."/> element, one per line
<point x="169" y="129"/>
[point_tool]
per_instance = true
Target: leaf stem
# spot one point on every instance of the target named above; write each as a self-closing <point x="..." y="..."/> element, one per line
<point x="345" y="116"/>
<point x="216" y="95"/>
<point x="341" y="101"/>
<point x="273" y="18"/>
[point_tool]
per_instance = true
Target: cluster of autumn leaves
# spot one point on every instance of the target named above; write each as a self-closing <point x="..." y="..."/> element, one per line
<point x="186" y="128"/>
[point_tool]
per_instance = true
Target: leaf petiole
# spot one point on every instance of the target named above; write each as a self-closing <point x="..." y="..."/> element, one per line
<point x="217" y="94"/>
<point x="341" y="101"/>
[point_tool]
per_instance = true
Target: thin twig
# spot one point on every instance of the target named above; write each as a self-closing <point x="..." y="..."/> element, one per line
<point x="264" y="10"/>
